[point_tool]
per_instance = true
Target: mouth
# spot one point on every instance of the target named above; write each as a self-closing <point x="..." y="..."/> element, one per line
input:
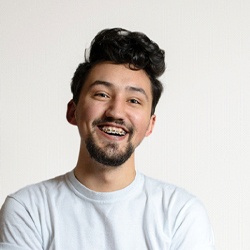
<point x="114" y="131"/>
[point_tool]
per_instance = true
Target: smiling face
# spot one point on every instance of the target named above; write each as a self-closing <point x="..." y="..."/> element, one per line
<point x="113" y="113"/>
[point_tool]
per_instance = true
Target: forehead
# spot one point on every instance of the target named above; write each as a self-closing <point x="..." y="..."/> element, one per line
<point x="120" y="76"/>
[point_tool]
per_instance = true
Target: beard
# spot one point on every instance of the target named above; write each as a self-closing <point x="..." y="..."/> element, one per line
<point x="108" y="155"/>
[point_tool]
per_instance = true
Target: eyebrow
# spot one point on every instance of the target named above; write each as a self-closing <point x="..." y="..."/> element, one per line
<point x="129" y="88"/>
<point x="98" y="82"/>
<point x="137" y="89"/>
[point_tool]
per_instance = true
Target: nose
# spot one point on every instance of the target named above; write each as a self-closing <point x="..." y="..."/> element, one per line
<point x="115" y="109"/>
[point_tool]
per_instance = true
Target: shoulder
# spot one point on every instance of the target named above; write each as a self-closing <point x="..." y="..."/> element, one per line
<point x="178" y="203"/>
<point x="38" y="192"/>
<point x="32" y="203"/>
<point x="25" y="212"/>
<point x="166" y="191"/>
<point x="186" y="219"/>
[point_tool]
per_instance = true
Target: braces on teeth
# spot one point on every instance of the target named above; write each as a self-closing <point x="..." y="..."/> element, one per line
<point x="113" y="131"/>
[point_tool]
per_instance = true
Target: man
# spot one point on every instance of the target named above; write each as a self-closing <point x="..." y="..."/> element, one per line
<point x="104" y="203"/>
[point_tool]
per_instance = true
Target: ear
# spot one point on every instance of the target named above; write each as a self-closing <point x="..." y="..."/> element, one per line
<point x="70" y="115"/>
<point x="151" y="125"/>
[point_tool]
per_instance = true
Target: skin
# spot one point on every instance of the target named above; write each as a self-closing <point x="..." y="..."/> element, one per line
<point x="121" y="94"/>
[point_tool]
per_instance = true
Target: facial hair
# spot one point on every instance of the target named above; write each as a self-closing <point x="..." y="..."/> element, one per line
<point x="109" y="154"/>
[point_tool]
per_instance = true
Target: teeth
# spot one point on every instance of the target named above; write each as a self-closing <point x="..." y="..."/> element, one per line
<point x="113" y="130"/>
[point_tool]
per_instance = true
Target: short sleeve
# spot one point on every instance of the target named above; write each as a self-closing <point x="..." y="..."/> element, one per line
<point x="192" y="228"/>
<point x="18" y="231"/>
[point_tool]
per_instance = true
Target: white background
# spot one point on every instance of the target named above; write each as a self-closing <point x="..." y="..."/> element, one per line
<point x="201" y="141"/>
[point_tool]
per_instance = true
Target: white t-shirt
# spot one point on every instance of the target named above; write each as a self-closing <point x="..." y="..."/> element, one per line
<point x="62" y="214"/>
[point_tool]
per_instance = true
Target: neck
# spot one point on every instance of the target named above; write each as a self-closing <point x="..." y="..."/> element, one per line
<point x="104" y="178"/>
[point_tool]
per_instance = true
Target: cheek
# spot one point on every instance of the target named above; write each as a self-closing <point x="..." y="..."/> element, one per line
<point x="86" y="112"/>
<point x="141" y="123"/>
<point x="84" y="117"/>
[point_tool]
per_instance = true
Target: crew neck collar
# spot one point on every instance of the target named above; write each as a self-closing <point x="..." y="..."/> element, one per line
<point x="120" y="194"/>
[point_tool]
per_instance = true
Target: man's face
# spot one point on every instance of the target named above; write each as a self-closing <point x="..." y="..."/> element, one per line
<point x="113" y="113"/>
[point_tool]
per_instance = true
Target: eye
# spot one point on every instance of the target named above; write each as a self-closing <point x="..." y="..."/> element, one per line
<point x="102" y="95"/>
<point x="134" y="101"/>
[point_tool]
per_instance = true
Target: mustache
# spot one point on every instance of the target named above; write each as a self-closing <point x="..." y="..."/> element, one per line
<point x="113" y="120"/>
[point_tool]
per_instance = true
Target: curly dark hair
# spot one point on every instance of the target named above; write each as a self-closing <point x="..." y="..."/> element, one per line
<point x="121" y="46"/>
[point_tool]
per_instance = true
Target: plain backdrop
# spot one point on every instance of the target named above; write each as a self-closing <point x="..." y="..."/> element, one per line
<point x="201" y="140"/>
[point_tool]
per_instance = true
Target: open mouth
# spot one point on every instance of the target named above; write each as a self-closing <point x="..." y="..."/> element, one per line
<point x="113" y="130"/>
